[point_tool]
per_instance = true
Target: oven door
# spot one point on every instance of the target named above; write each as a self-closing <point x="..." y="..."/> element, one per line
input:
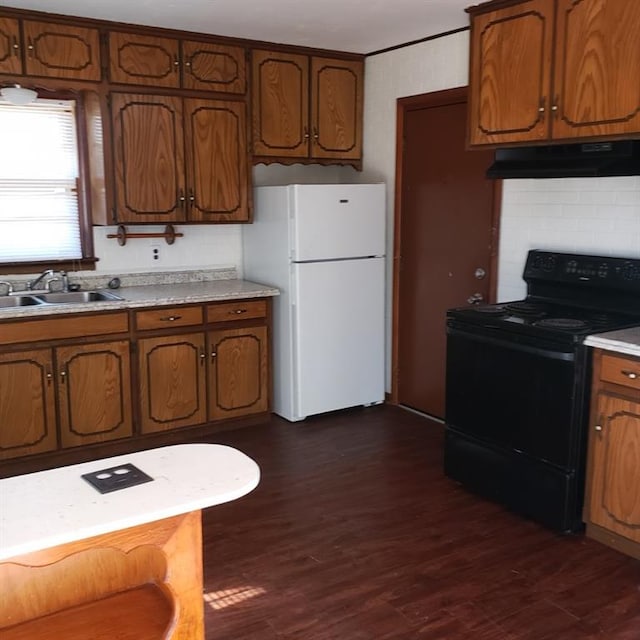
<point x="515" y="410"/>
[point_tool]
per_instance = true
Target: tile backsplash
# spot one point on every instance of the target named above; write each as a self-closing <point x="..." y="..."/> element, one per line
<point x="599" y="216"/>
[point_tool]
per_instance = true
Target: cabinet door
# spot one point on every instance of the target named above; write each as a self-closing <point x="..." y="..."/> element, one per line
<point x="217" y="161"/>
<point x="10" y="45"/>
<point x="172" y="382"/>
<point x="148" y="158"/>
<point x="94" y="392"/>
<point x="238" y="373"/>
<point x="597" y="71"/>
<point x="144" y="60"/>
<point x="510" y="74"/>
<point x="280" y="104"/>
<point x="27" y="404"/>
<point x="336" y="108"/>
<point x="213" y="67"/>
<point x="615" y="469"/>
<point x="61" y="51"/>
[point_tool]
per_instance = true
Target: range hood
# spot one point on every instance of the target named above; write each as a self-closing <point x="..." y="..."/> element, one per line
<point x="589" y="159"/>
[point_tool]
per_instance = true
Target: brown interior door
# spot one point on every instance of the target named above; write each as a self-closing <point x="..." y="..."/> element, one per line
<point x="446" y="234"/>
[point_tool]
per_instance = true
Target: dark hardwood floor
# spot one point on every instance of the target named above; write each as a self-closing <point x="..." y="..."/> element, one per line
<point x="354" y="533"/>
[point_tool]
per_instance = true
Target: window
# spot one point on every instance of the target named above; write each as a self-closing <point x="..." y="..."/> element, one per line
<point x="40" y="217"/>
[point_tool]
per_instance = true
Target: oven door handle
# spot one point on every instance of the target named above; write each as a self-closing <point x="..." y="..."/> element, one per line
<point x="515" y="346"/>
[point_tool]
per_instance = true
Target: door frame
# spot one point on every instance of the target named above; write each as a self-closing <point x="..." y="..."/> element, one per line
<point x="404" y="105"/>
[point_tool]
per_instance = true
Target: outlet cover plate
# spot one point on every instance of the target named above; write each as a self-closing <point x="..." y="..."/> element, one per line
<point x="116" y="478"/>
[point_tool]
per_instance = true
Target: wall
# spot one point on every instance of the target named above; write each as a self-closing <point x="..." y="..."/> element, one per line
<point x="598" y="216"/>
<point x="589" y="215"/>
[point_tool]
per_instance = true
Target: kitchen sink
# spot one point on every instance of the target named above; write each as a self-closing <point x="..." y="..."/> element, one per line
<point x="7" y="302"/>
<point x="75" y="297"/>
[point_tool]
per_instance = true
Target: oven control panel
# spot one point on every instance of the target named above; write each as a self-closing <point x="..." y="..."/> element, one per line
<point x="592" y="271"/>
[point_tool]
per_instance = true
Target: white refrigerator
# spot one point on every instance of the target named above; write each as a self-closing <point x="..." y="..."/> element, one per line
<point x="323" y="247"/>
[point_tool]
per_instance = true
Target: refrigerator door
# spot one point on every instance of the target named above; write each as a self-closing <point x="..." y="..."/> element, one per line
<point x="338" y="344"/>
<point x="334" y="221"/>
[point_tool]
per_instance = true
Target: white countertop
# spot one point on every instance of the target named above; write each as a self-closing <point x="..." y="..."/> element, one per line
<point x="625" y="341"/>
<point x="49" y="508"/>
<point x="152" y="295"/>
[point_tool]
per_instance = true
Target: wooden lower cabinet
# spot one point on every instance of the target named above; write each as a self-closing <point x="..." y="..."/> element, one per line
<point x="92" y="386"/>
<point x="94" y="392"/>
<point x="612" y="510"/>
<point x="179" y="379"/>
<point x="78" y="384"/>
<point x="238" y="376"/>
<point x="172" y="382"/>
<point x="27" y="403"/>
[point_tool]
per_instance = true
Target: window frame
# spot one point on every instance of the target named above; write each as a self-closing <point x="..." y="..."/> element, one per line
<point x="88" y="259"/>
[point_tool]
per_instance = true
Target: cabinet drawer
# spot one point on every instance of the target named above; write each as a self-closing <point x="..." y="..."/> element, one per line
<point x="623" y="371"/>
<point x="168" y="317"/>
<point x="78" y="326"/>
<point x="241" y="310"/>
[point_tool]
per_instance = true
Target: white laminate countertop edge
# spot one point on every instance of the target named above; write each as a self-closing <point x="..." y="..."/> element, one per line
<point x="153" y="295"/>
<point x="49" y="508"/>
<point x="626" y="341"/>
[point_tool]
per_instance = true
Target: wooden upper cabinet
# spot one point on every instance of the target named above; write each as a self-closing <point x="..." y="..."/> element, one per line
<point x="143" y="60"/>
<point x="49" y="50"/>
<point x="27" y="407"/>
<point x="217" y="163"/>
<point x="336" y="108"/>
<point x="554" y="70"/>
<point x="149" y="157"/>
<point x="597" y="72"/>
<point x="168" y="62"/>
<point x="280" y="104"/>
<point x="61" y="51"/>
<point x="213" y="67"/>
<point x="306" y="107"/>
<point x="180" y="160"/>
<point x="510" y="76"/>
<point x="10" y="46"/>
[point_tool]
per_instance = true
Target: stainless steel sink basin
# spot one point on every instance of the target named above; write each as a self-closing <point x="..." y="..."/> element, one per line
<point x="76" y="297"/>
<point x="7" y="302"/>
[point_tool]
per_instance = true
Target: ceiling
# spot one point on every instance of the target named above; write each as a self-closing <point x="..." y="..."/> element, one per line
<point x="360" y="26"/>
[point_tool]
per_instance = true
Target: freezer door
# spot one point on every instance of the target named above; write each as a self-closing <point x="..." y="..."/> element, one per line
<point x="333" y="221"/>
<point x="338" y="335"/>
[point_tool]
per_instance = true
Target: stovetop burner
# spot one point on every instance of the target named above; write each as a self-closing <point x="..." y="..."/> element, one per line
<point x="525" y="308"/>
<point x="566" y="324"/>
<point x="491" y="309"/>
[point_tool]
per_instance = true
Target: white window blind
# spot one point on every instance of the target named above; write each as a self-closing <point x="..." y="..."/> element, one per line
<point x="39" y="217"/>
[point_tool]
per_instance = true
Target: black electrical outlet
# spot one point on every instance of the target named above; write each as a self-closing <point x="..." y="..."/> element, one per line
<point x="116" y="478"/>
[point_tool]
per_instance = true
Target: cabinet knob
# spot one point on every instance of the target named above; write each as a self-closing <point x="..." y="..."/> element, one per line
<point x="170" y="318"/>
<point x="598" y="427"/>
<point x="236" y="312"/>
<point x="632" y="375"/>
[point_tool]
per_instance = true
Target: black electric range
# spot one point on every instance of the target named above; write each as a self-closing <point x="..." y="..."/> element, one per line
<point x="518" y="383"/>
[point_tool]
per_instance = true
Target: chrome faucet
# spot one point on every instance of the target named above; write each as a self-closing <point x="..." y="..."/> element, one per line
<point x="7" y="284"/>
<point x="32" y="284"/>
<point x="62" y="278"/>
